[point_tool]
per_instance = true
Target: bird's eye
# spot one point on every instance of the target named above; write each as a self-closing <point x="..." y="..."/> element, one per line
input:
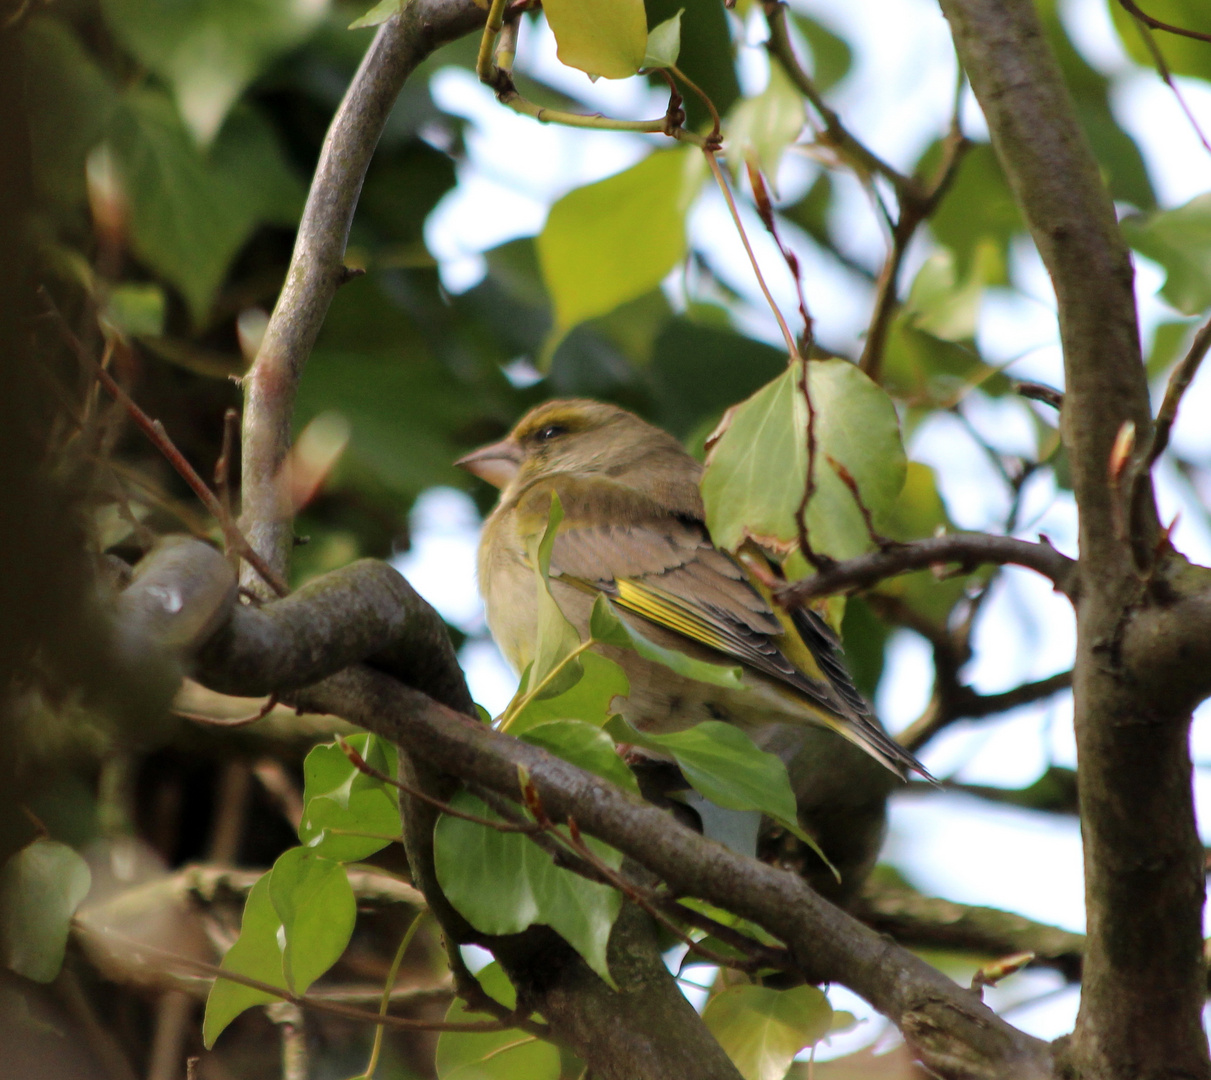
<point x="551" y="431"/>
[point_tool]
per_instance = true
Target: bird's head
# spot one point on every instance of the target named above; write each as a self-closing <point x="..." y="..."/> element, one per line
<point x="582" y="438"/>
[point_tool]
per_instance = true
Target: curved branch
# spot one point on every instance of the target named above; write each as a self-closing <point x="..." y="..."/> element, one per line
<point x="927" y="922"/>
<point x="1133" y="9"/>
<point x="944" y="1022"/>
<point x="317" y="266"/>
<point x="960" y="702"/>
<point x="968" y="550"/>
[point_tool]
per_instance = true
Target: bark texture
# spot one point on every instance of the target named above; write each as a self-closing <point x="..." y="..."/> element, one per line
<point x="1142" y="996"/>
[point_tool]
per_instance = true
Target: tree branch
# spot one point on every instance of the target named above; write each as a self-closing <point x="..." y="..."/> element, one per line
<point x="926" y="922"/>
<point x="960" y="702"/>
<point x="1144" y="980"/>
<point x="317" y="268"/>
<point x="941" y="1019"/>
<point x="968" y="550"/>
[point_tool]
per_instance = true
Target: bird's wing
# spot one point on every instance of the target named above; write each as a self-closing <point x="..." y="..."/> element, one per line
<point x="664" y="568"/>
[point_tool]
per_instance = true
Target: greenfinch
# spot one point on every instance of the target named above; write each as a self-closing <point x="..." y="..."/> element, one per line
<point x="633" y="530"/>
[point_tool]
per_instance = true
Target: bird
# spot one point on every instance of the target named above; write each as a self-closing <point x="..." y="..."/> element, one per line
<point x="633" y="530"/>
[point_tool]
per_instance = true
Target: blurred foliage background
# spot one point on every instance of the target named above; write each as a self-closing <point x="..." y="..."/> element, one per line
<point x="170" y="147"/>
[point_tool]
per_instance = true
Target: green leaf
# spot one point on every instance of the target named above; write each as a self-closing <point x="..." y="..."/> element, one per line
<point x="555" y="637"/>
<point x="1180" y="240"/>
<point x="722" y="763"/>
<point x="133" y="310"/>
<point x="503" y="883"/>
<point x="831" y="55"/>
<point x="584" y="745"/>
<point x="70" y="101"/>
<point x="1117" y="154"/>
<point x="208" y="51"/>
<point x="613" y="241"/>
<point x="257" y="954"/>
<point x="378" y="14"/>
<point x="190" y="214"/>
<point x="978" y="206"/>
<point x="405" y="405"/>
<point x="664" y="43"/>
<point x="605" y="38"/>
<point x="314" y="900"/>
<point x="588" y="700"/>
<point x="705" y="37"/>
<point x="1167" y="344"/>
<point x="493" y="1055"/>
<point x="756" y="470"/>
<point x="942" y="304"/>
<point x="336" y="795"/>
<point x="762" y="1030"/>
<point x="1183" y="55"/>
<point x="40" y="888"/>
<point x="606" y="626"/>
<point x="760" y="128"/>
<point x="919" y="512"/>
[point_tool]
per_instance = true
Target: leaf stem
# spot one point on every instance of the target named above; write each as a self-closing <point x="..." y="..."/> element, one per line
<point x="518" y="704"/>
<point x="791" y="347"/>
<point x="388" y="986"/>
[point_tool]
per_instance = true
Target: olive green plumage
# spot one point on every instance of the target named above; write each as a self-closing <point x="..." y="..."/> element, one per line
<point x="633" y="529"/>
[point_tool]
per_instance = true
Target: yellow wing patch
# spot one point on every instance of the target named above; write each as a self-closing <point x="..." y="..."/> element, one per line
<point x="666" y="610"/>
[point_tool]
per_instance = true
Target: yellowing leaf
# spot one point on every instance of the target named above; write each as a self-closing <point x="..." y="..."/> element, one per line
<point x="604" y="38"/>
<point x="615" y="240"/>
<point x="762" y="1030"/>
<point x="40" y="888"/>
<point x="664" y="43"/>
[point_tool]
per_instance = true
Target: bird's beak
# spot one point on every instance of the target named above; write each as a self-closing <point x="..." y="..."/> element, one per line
<point x="497" y="463"/>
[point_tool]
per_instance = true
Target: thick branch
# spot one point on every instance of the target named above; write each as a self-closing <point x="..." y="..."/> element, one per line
<point x="945" y="1023"/>
<point x="317" y="267"/>
<point x="967" y="550"/>
<point x="1144" y="881"/>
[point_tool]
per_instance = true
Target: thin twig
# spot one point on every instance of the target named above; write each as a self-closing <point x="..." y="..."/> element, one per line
<point x="965" y="549"/>
<point x="1162" y="69"/>
<point x="640" y="897"/>
<point x="770" y="956"/>
<point x="363" y="766"/>
<point x="222" y="469"/>
<point x="1179" y="382"/>
<point x="714" y="137"/>
<point x="132" y="946"/>
<point x="154" y="430"/>
<point x="839" y="138"/>
<point x="963" y="703"/>
<point x="1132" y="8"/>
<point x="388" y="985"/>
<point x="238" y="722"/>
<point x="791" y="347"/>
<point x="765" y="210"/>
<point x="1038" y="392"/>
<point x="916" y="204"/>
